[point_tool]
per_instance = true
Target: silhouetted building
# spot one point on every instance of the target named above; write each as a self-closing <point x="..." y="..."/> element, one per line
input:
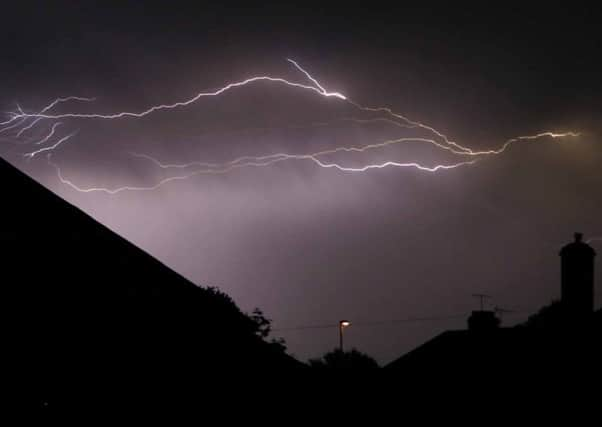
<point x="549" y="341"/>
<point x="577" y="277"/>
<point x="85" y="310"/>
<point x="483" y="321"/>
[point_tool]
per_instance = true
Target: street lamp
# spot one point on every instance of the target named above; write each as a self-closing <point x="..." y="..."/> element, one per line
<point x="342" y="325"/>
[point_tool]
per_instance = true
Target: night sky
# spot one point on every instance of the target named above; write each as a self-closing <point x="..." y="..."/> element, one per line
<point x="311" y="245"/>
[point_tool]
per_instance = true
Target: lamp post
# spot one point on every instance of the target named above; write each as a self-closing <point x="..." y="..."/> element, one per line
<point x="342" y="325"/>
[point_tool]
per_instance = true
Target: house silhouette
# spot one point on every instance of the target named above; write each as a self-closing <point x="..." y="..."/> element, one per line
<point x="561" y="337"/>
<point x="82" y="305"/>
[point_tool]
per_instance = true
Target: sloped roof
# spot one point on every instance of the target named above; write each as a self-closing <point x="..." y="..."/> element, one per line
<point x="512" y="350"/>
<point x="82" y="299"/>
<point x="460" y="349"/>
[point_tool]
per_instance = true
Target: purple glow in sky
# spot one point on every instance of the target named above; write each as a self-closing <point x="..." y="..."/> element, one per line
<point x="254" y="161"/>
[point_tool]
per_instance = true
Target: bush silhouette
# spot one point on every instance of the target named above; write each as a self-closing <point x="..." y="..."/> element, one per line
<point x="338" y="359"/>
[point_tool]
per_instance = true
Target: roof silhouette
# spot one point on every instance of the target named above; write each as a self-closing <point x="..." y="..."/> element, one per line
<point x="561" y="337"/>
<point x="547" y="342"/>
<point x="82" y="302"/>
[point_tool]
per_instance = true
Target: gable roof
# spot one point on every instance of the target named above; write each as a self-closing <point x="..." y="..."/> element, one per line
<point x="79" y="296"/>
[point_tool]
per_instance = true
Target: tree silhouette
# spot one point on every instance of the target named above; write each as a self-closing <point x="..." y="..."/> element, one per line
<point x="260" y="325"/>
<point x="264" y="328"/>
<point x="344" y="360"/>
<point x="263" y="324"/>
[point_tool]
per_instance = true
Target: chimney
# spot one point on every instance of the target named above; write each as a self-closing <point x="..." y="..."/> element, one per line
<point x="483" y="321"/>
<point x="577" y="277"/>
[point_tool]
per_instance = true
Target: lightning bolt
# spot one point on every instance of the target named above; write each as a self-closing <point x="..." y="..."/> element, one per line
<point x="153" y="109"/>
<point x="50" y="148"/>
<point x="437" y="139"/>
<point x="232" y="167"/>
<point x="356" y="149"/>
<point x="47" y="137"/>
<point x="276" y="156"/>
<point x="51" y="106"/>
<point x="15" y="117"/>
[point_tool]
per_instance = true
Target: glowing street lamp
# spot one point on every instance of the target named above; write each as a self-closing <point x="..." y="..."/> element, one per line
<point x="342" y="325"/>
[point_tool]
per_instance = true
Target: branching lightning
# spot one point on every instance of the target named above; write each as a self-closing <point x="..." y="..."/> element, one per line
<point x="21" y="121"/>
<point x="153" y="109"/>
<point x="16" y="122"/>
<point x="50" y="148"/>
<point x="49" y="107"/>
<point x="47" y="137"/>
<point x="218" y="171"/>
